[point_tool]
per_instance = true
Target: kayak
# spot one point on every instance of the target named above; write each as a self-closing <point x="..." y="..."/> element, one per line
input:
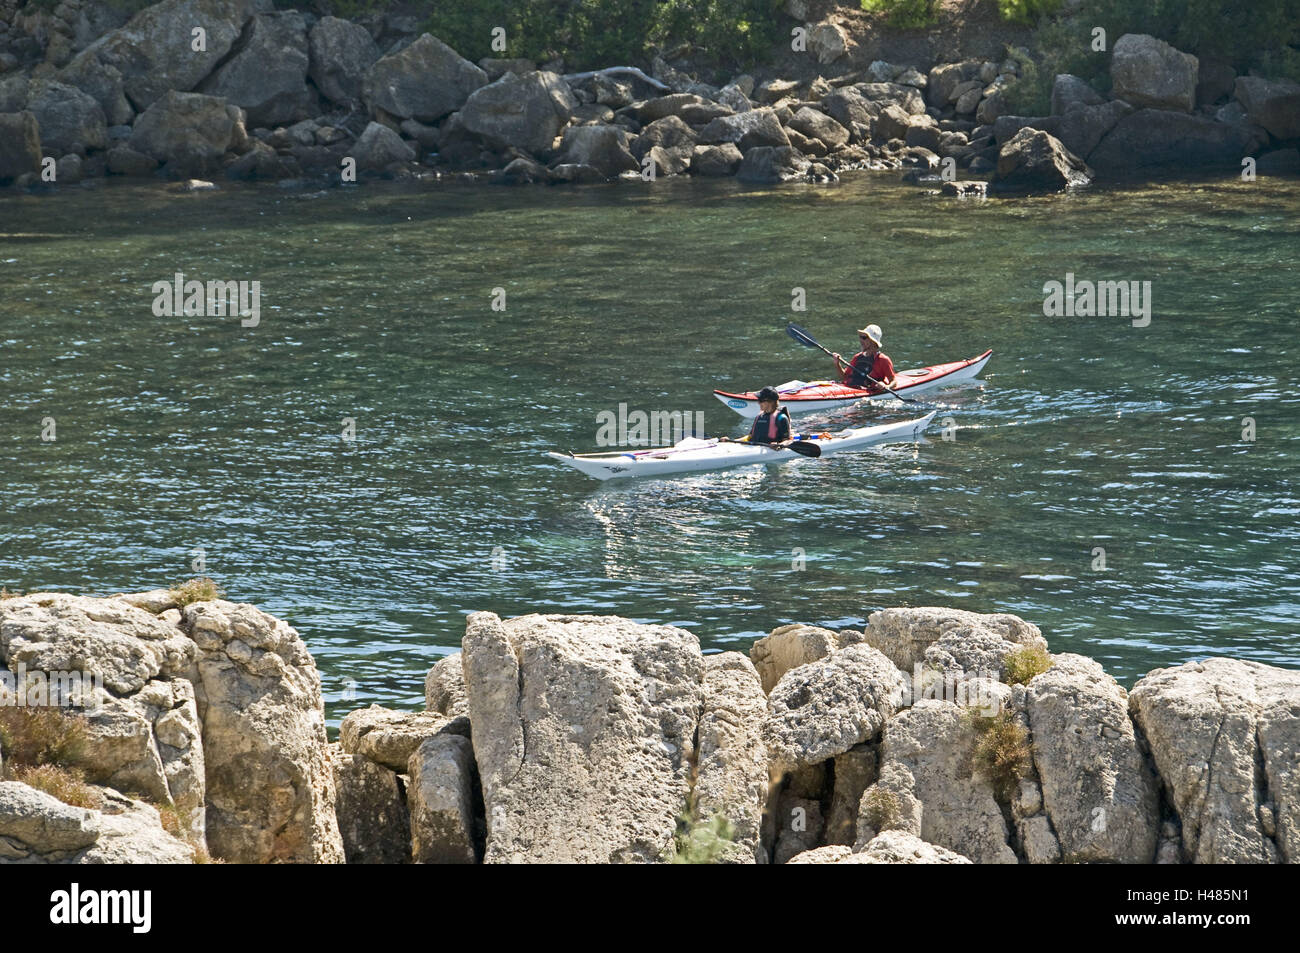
<point x="693" y="454"/>
<point x="806" y="396"/>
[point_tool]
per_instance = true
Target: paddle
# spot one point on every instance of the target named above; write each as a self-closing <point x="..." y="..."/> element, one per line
<point x="806" y="448"/>
<point x="807" y="340"/>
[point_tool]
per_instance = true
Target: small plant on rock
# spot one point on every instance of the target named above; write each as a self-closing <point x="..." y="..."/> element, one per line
<point x="67" y="784"/>
<point x="1001" y="753"/>
<point x="35" y="736"/>
<point x="703" y="842"/>
<point x="1026" y="662"/>
<point x="199" y="589"/>
<point x="881" y="810"/>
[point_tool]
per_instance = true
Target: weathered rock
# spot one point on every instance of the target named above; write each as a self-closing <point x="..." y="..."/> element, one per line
<point x="370" y="803"/>
<point x="441" y="801"/>
<point x="1068" y="90"/>
<point x="583" y="734"/>
<point x="892" y="123"/>
<point x="379" y="147"/>
<point x="444" y="687"/>
<point x="66" y="116"/>
<point x="391" y="737"/>
<point x="774" y="90"/>
<point x="604" y="148"/>
<point x="923" y="135"/>
<point x="946" y="77"/>
<point x="68" y="170"/>
<point x="611" y="92"/>
<point x="153" y="53"/>
<point x="1271" y="104"/>
<point x="1148" y="72"/>
<point x="833" y="854"/>
<point x="261" y="162"/>
<point x="131" y="832"/>
<point x="965" y="189"/>
<point x="270" y="792"/>
<point x="907" y="98"/>
<point x="266" y="74"/>
<point x="188" y="131"/>
<point x="123" y="160"/>
<point x="925" y="769"/>
<point x="1215" y="80"/>
<point x="340" y="54"/>
<point x="850" y="108"/>
<point x="904" y="635"/>
<point x="1225" y="739"/>
<point x="900" y="847"/>
<point x="773" y="164"/>
<point x="824" y="708"/>
<point x="1036" y="161"/>
<point x="496" y="67"/>
<point x="33" y="822"/>
<point x="671" y="105"/>
<point x="20" y="145"/>
<point x="522" y="171"/>
<point x="731" y="771"/>
<point x="818" y="125"/>
<point x="575" y="173"/>
<point x="103" y="82"/>
<point x="734" y="99"/>
<point x="758" y="127"/>
<point x="1005" y="128"/>
<point x="855" y="771"/>
<point x="425" y="80"/>
<point x="673" y="143"/>
<point x="828" y="41"/>
<point x="718" y="160"/>
<point x="1156" y="137"/>
<point x="1083" y="127"/>
<point x="799" y="826"/>
<point x="790" y="646"/>
<point x="526" y="112"/>
<point x="1097" y="788"/>
<point x="991" y="107"/>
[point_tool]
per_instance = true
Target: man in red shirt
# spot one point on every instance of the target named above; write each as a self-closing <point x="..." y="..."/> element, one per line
<point x="870" y="362"/>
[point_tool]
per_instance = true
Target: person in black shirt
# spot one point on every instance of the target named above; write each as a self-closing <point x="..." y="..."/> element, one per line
<point x="772" y="425"/>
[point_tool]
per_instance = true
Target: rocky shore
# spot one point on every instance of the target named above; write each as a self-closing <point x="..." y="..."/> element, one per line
<point x="284" y="95"/>
<point x="931" y="736"/>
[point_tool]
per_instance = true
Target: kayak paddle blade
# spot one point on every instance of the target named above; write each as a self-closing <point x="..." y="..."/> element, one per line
<point x="800" y="335"/>
<point x="806" y="447"/>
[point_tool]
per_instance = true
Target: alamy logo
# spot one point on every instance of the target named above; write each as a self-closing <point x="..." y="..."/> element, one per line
<point x="1104" y="299"/>
<point x="75" y="906"/>
<point x="215" y="299"/>
<point x="21" y="688"/>
<point x="640" y="429"/>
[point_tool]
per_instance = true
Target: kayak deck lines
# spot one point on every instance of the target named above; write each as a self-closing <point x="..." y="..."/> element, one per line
<point x="694" y="455"/>
<point x="808" y="396"/>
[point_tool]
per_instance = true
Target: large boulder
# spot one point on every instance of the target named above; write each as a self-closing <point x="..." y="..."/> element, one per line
<point x="888" y="847"/>
<point x="906" y="635"/>
<point x="142" y="731"/>
<point x="584" y="731"/>
<point x="444" y="687"/>
<point x="926" y="777"/>
<point x="1225" y="738"/>
<point x="892" y="123"/>
<point x="1068" y="90"/>
<point x="717" y="160"/>
<point x="188" y="131"/>
<point x="1158" y="137"/>
<point x="908" y="98"/>
<point x="771" y="164"/>
<point x="131" y="832"/>
<point x="266" y="73"/>
<point x="103" y="82"/>
<point x="379" y="147"/>
<point x="818" y="125"/>
<point x="340" y="54"/>
<point x="20" y="145"/>
<point x="525" y="112"/>
<point x="790" y="646"/>
<point x="391" y="737"/>
<point x="828" y="41"/>
<point x="425" y="80"/>
<point x="37" y="826"/>
<point x="270" y="789"/>
<point x="824" y="708"/>
<point x="849" y="107"/>
<point x="154" y="53"/>
<point x="441" y="801"/>
<point x="1083" y="127"/>
<point x="1271" y="104"/>
<point x="731" y="769"/>
<point x="669" y="142"/>
<point x="1036" y="161"/>
<point x="603" y="148"/>
<point x="758" y="127"/>
<point x="66" y="116"/>
<point x="370" y="804"/>
<point x="1098" y="791"/>
<point x="1146" y="71"/>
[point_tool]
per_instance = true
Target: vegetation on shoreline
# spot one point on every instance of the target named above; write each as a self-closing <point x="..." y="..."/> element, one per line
<point x="42" y="748"/>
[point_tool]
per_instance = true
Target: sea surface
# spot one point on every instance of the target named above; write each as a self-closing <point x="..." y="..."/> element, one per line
<point x="1132" y="490"/>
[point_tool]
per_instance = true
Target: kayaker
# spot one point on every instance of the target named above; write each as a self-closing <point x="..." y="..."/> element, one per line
<point x="771" y="426"/>
<point x="868" y="362"/>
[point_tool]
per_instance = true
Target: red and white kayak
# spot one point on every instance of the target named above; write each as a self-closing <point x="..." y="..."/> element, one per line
<point x="806" y="396"/>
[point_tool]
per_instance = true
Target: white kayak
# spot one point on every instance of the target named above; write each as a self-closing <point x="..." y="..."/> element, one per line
<point x="693" y="454"/>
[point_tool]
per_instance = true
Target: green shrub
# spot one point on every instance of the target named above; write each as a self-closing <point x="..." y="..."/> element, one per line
<point x="905" y="14"/>
<point x="1027" y="11"/>
<point x="1001" y="751"/>
<point x="1026" y="662"/>
<point x="199" y="589"/>
<point x="703" y="842"/>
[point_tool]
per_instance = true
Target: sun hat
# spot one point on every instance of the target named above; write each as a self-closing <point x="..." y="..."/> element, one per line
<point x="872" y="331"/>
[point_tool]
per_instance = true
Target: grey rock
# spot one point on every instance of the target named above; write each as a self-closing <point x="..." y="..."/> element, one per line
<point x="1271" y="104"/>
<point x="717" y="160"/>
<point x="266" y="74"/>
<point x="340" y="54"/>
<point x="1083" y="127"/>
<point x="524" y="112"/>
<point x="441" y="801"/>
<point x="20" y="145"/>
<point x="425" y="80"/>
<point x="1036" y="161"/>
<point x="1068" y="90"/>
<point x="370" y="803"/>
<point x="379" y="147"/>
<point x="771" y="164"/>
<point x="604" y="148"/>
<point x="818" y="125"/>
<point x="1158" y="137"/>
<point x="188" y="131"/>
<point x="1148" y="72"/>
<point x="758" y="127"/>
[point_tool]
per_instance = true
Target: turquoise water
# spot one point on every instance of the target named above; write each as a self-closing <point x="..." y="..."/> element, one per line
<point x="175" y="433"/>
